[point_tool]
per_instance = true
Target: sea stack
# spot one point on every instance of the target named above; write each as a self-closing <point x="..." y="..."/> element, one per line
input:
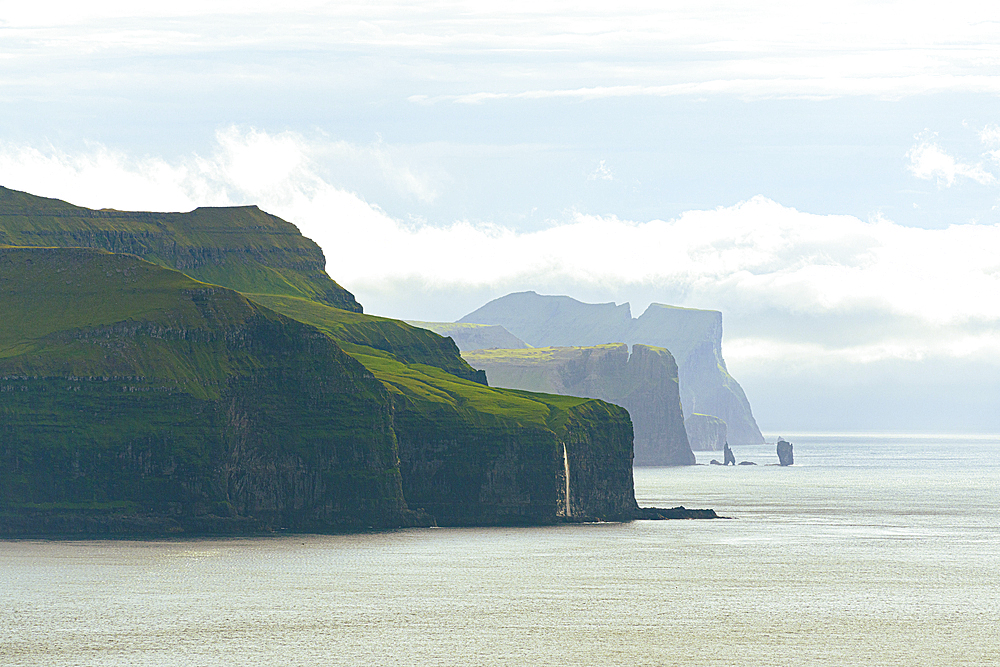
<point x="728" y="457"/>
<point x="785" y="457"/>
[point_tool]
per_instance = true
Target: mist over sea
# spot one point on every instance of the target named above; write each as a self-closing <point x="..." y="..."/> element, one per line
<point x="871" y="550"/>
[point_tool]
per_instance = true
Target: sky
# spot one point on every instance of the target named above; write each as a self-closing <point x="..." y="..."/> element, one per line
<point x="828" y="176"/>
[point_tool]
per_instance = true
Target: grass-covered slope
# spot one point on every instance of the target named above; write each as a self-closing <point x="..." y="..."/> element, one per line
<point x="406" y="343"/>
<point x="240" y="247"/>
<point x="134" y="398"/>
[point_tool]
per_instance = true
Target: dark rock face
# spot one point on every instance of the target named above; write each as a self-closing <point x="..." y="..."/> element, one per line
<point x="465" y="474"/>
<point x="705" y="433"/>
<point x="785" y="456"/>
<point x="694" y="337"/>
<point x="190" y="408"/>
<point x="644" y="383"/>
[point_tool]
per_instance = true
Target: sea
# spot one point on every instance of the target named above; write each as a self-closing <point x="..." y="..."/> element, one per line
<point x="870" y="550"/>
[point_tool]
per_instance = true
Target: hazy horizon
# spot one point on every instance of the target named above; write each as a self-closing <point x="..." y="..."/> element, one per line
<point x="828" y="178"/>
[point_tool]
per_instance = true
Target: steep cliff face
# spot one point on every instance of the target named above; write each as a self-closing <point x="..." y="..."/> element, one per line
<point x="694" y="337"/>
<point x="706" y="433"/>
<point x="240" y="247"/>
<point x="477" y="455"/>
<point x="466" y="472"/>
<point x="132" y="392"/>
<point x="654" y="401"/>
<point x="706" y="385"/>
<point x="644" y="383"/>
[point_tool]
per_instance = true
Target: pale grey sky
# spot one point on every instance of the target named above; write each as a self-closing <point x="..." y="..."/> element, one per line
<point x="826" y="175"/>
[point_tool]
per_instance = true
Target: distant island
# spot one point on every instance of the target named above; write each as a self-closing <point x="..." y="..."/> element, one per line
<point x="167" y="373"/>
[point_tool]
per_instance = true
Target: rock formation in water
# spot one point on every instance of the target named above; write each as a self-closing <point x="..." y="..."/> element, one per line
<point x="728" y="457"/>
<point x="694" y="338"/>
<point x="785" y="456"/>
<point x="137" y="400"/>
<point x="705" y="433"/>
<point x="644" y="383"/>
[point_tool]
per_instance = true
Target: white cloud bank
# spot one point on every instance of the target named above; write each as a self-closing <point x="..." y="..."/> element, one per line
<point x="848" y="290"/>
<point x="930" y="162"/>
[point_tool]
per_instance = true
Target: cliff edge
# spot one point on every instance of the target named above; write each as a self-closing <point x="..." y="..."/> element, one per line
<point x="644" y="383"/>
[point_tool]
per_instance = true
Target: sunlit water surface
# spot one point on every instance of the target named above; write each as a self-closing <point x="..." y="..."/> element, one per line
<point x="869" y="551"/>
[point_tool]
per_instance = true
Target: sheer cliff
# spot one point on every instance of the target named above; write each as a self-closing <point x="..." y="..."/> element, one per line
<point x="135" y="399"/>
<point x="694" y="338"/>
<point x="645" y="383"/>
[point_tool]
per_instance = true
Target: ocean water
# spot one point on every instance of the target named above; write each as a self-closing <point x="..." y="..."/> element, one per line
<point x="871" y="550"/>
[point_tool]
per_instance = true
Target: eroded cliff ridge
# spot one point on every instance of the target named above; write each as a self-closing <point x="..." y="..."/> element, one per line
<point x="694" y="338"/>
<point x="143" y="401"/>
<point x="645" y="383"/>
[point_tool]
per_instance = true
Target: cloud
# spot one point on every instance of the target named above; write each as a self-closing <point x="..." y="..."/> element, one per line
<point x="602" y="172"/>
<point x="794" y="285"/>
<point x="929" y="161"/>
<point x="532" y="49"/>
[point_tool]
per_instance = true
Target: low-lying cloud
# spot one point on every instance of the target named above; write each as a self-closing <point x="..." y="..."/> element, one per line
<point x="823" y="289"/>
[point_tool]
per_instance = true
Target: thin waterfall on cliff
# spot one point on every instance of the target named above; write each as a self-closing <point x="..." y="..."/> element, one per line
<point x="566" y="470"/>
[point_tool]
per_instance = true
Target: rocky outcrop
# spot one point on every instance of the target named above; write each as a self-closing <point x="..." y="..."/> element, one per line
<point x="694" y="337"/>
<point x="239" y="247"/>
<point x="644" y="383"/>
<point x="705" y="433"/>
<point x="785" y="455"/>
<point x="132" y="395"/>
<point x="727" y="456"/>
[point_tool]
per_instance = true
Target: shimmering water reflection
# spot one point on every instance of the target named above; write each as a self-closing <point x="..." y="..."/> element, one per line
<point x="870" y="550"/>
